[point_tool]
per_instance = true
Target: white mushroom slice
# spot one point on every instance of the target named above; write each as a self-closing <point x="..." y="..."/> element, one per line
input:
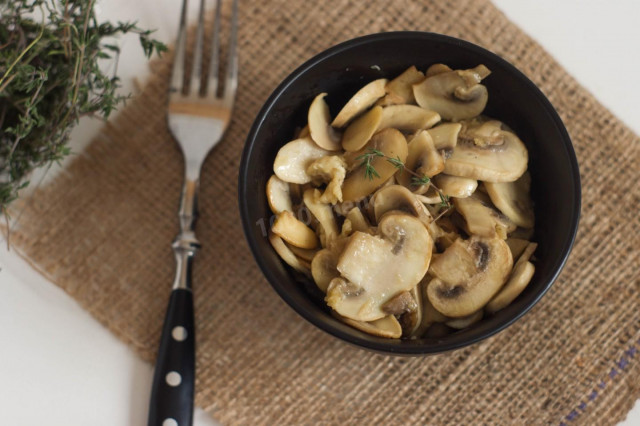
<point x="388" y="326"/>
<point x="490" y="163"/>
<point x="430" y="315"/>
<point x="304" y="132"/>
<point x="321" y="132"/>
<point x="468" y="274"/>
<point x="278" y="195"/>
<point x="522" y="233"/>
<point x="324" y="268"/>
<point x="517" y="246"/>
<point x="527" y="253"/>
<point x="361" y="129"/>
<point x="322" y="212"/>
<point x="358" y="221"/>
<point x="464" y="322"/>
<point x="286" y="254"/>
<point x="305" y="255"/>
<point x="422" y="159"/>
<point x="360" y="102"/>
<point x="520" y="278"/>
<point x="330" y="170"/>
<point x="376" y="268"/>
<point x="408" y="118"/>
<point x="296" y="233"/>
<point x="392" y="144"/>
<point x="482" y="131"/>
<point x="455" y="186"/>
<point x="436" y="69"/>
<point x="411" y="320"/>
<point x="512" y="198"/>
<point x="445" y="136"/>
<point x="293" y="159"/>
<point x="398" y="198"/>
<point x="400" y="89"/>
<point x="455" y="95"/>
<point x="483" y="220"/>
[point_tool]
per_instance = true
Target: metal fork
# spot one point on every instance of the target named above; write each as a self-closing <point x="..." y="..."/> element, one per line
<point x="197" y="119"/>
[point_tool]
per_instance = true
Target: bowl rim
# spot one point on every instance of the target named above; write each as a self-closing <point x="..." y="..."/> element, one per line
<point x="244" y="190"/>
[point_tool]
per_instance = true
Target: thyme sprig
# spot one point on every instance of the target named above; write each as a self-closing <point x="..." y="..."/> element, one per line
<point x="416" y="179"/>
<point x="50" y="77"/>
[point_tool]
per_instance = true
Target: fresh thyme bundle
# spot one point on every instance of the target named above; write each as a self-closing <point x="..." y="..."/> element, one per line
<point x="50" y="78"/>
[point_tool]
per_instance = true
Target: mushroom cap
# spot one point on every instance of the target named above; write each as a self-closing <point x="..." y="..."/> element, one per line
<point x="464" y="322"/>
<point x="321" y="132"/>
<point x="490" y="163"/>
<point x="512" y="199"/>
<point x="520" y="278"/>
<point x="482" y="219"/>
<point x="360" y="102"/>
<point x="400" y="89"/>
<point x="293" y="159"/>
<point x="445" y="135"/>
<point x="324" y="268"/>
<point x="377" y="268"/>
<point x="293" y="231"/>
<point x="422" y="159"/>
<point x="361" y="129"/>
<point x="455" y="186"/>
<point x="455" y="95"/>
<point x="399" y="198"/>
<point x="392" y="144"/>
<point x="278" y="195"/>
<point x="468" y="274"/>
<point x="408" y="118"/>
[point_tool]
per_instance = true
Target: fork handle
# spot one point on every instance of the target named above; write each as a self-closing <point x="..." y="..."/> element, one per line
<point x="174" y="375"/>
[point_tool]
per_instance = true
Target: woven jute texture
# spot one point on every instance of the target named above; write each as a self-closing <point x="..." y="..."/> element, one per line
<point x="102" y="229"/>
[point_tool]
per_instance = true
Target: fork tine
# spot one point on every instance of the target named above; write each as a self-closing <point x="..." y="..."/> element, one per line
<point x="231" y="82"/>
<point x="196" y="72"/>
<point x="177" y="72"/>
<point x="215" y="53"/>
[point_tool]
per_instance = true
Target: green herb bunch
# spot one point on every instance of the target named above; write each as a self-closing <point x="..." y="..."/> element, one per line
<point x="50" y="78"/>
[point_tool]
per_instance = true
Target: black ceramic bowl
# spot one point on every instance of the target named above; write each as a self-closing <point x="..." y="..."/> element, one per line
<point x="341" y="71"/>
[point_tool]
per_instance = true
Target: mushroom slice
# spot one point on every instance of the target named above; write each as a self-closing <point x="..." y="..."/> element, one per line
<point x="408" y="118"/>
<point x="286" y="254"/>
<point x="377" y="268"/>
<point x="399" y="304"/>
<point x="400" y="90"/>
<point x="464" y="322"/>
<point x="445" y="136"/>
<point x="399" y="198"/>
<point x="411" y="320"/>
<point x="520" y="278"/>
<point x="304" y="132"/>
<point x="330" y="170"/>
<point x="522" y="233"/>
<point x="436" y="69"/>
<point x="360" y="102"/>
<point x="296" y="233"/>
<point x="306" y="255"/>
<point x="422" y="159"/>
<point x="512" y="198"/>
<point x="430" y="315"/>
<point x="358" y="221"/>
<point x="319" y="129"/>
<point x="322" y="212"/>
<point x="293" y="159"/>
<point x="468" y="274"/>
<point x="527" y="253"/>
<point x="490" y="163"/>
<point x="482" y="131"/>
<point x="278" y="195"/>
<point x="455" y="95"/>
<point x="455" y="186"/>
<point x="483" y="220"/>
<point x="361" y="129"/>
<point x="388" y="326"/>
<point x="517" y="246"/>
<point x="324" y="268"/>
<point x="358" y="184"/>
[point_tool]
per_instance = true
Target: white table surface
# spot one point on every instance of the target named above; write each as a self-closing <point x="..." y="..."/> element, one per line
<point x="58" y="366"/>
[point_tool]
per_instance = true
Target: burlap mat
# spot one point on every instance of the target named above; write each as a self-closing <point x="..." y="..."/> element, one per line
<point x="102" y="231"/>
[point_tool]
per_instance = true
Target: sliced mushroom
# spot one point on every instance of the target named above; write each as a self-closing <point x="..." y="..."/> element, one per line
<point x="361" y="129"/>
<point x="517" y="246"/>
<point x="455" y="95"/>
<point x="360" y="102"/>
<point x="408" y="118"/>
<point x="481" y="219"/>
<point x="324" y="268"/>
<point x="527" y="253"/>
<point x="293" y="159"/>
<point x="278" y="195"/>
<point x="286" y="254"/>
<point x="398" y="198"/>
<point x="455" y="186"/>
<point x="423" y="159"/>
<point x="330" y="170"/>
<point x="464" y="322"/>
<point x="392" y="144"/>
<point x="400" y="90"/>
<point x="376" y="268"/>
<point x="482" y="131"/>
<point x="411" y="320"/>
<point x="523" y="233"/>
<point x="445" y="136"/>
<point x="520" y="278"/>
<point x="512" y="198"/>
<point x="358" y="221"/>
<point x="399" y="304"/>
<point x="293" y="231"/>
<point x="322" y="212"/>
<point x="436" y="69"/>
<point x="468" y="274"/>
<point x="306" y="255"/>
<point x="388" y="326"/>
<point x="490" y="163"/>
<point x="429" y="314"/>
<point x="321" y="132"/>
<point x="304" y="132"/>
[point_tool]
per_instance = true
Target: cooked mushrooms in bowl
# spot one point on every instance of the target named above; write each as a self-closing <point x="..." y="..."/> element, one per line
<point x="409" y="204"/>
